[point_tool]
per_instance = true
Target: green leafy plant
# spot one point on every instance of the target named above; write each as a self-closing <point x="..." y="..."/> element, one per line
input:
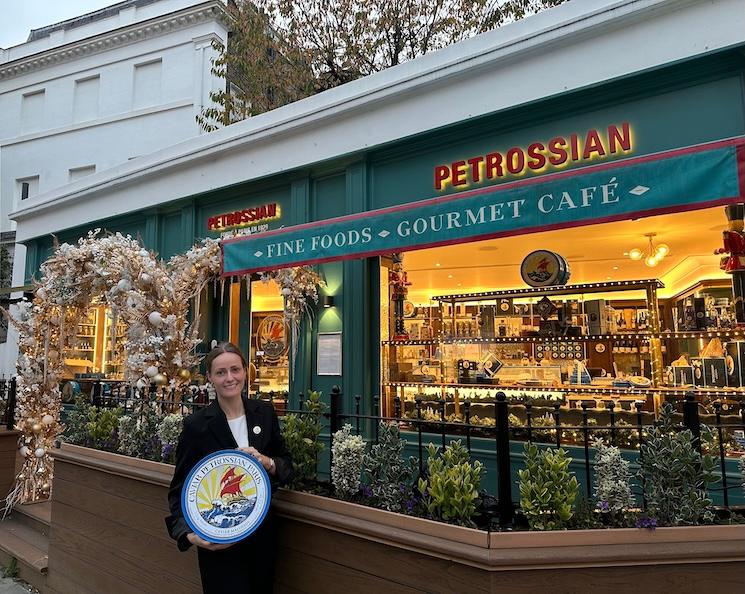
<point x="388" y="477"/>
<point x="138" y="433"/>
<point x="102" y="427"/>
<point x="451" y="490"/>
<point x="674" y="474"/>
<point x="76" y="425"/>
<point x="11" y="569"/>
<point x="547" y="489"/>
<point x="348" y="451"/>
<point x="301" y="432"/>
<point x="169" y="432"/>
<point x="612" y="482"/>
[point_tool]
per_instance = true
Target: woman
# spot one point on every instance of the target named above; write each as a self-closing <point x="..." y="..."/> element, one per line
<point x="231" y="421"/>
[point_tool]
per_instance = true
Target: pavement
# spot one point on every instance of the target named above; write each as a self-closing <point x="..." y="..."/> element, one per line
<point x="10" y="586"/>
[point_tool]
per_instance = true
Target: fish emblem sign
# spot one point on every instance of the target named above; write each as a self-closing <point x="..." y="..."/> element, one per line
<point x="226" y="496"/>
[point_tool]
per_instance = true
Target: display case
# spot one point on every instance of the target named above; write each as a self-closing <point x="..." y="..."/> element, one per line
<point x="90" y="353"/>
<point x="530" y="342"/>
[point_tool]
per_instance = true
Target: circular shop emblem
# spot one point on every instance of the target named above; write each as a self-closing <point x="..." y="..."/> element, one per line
<point x="271" y="338"/>
<point x="543" y="268"/>
<point x="226" y="496"/>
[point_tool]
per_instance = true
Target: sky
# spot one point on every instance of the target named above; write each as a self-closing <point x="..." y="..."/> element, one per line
<point x="20" y="16"/>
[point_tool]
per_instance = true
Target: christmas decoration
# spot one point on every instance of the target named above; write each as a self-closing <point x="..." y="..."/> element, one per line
<point x="150" y="297"/>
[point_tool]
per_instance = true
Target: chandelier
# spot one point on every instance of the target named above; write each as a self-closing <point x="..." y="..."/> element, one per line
<point x="653" y="255"/>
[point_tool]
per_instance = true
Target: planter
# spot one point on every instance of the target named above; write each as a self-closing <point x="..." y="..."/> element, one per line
<point x="8" y="455"/>
<point x="334" y="546"/>
<point x="108" y="535"/>
<point x="108" y="532"/>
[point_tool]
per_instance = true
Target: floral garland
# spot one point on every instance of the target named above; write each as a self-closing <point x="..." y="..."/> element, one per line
<point x="149" y="296"/>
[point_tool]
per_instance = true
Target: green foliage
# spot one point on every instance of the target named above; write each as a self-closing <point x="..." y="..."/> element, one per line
<point x="675" y="475"/>
<point x="451" y="490"/>
<point x="76" y="426"/>
<point x="547" y="489"/>
<point x="11" y="569"/>
<point x="388" y="476"/>
<point x="138" y="433"/>
<point x="612" y="481"/>
<point x="348" y="451"/>
<point x="102" y="427"/>
<point x="301" y="432"/>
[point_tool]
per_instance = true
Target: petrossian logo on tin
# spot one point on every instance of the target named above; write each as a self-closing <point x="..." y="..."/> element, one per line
<point x="226" y="496"/>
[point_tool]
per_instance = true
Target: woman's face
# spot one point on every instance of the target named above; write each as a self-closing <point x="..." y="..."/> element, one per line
<point x="227" y="375"/>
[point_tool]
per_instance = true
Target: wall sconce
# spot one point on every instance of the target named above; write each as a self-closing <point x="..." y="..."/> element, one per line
<point x="328" y="301"/>
<point x="653" y="254"/>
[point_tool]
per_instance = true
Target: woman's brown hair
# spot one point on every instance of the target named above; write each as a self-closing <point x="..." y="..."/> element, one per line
<point x="222" y="347"/>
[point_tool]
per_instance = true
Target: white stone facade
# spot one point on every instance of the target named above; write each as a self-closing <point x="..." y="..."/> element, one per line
<point x="93" y="92"/>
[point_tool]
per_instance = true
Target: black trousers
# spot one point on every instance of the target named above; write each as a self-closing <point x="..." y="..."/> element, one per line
<point x="247" y="567"/>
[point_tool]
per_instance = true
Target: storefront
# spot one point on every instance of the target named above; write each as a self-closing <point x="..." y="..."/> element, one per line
<point x="610" y="169"/>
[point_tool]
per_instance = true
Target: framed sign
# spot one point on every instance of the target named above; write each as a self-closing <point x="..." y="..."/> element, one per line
<point x="328" y="353"/>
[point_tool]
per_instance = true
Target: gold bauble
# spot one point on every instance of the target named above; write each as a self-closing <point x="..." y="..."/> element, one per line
<point x="36" y="427"/>
<point x="184" y="374"/>
<point x="160" y="379"/>
<point x="45" y="487"/>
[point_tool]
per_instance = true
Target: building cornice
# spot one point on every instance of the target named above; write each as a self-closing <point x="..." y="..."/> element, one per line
<point x="213" y="10"/>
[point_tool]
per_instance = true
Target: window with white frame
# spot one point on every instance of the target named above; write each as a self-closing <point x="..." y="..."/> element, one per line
<point x="78" y="172"/>
<point x="85" y="101"/>
<point x="148" y="81"/>
<point x="27" y="187"/>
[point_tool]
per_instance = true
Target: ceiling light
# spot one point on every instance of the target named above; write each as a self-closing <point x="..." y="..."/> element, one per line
<point x="615" y="268"/>
<point x="437" y="264"/>
<point x="653" y="255"/>
<point x="450" y="276"/>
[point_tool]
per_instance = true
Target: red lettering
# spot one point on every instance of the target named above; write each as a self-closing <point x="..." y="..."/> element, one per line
<point x="460" y="172"/>
<point x="261" y="213"/>
<point x="557" y="148"/>
<point x="494" y="165"/>
<point x="515" y="160"/>
<point x="593" y="144"/>
<point x="575" y="147"/>
<point x="211" y="223"/>
<point x="271" y="210"/>
<point x="442" y="174"/>
<point x="620" y="139"/>
<point x="475" y="168"/>
<point x="537" y="159"/>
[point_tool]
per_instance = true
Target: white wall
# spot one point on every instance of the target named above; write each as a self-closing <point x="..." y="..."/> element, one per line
<point x="118" y="88"/>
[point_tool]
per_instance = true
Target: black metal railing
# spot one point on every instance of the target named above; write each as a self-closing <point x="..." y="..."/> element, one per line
<point x="580" y="435"/>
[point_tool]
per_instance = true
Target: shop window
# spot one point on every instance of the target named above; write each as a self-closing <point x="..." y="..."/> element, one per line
<point x="32" y="111"/>
<point x="85" y="103"/>
<point x="148" y="82"/>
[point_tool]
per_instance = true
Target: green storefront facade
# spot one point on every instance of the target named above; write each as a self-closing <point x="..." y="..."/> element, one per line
<point x="697" y="101"/>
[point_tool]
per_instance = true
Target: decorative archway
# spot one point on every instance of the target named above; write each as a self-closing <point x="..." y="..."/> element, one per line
<point x="150" y="296"/>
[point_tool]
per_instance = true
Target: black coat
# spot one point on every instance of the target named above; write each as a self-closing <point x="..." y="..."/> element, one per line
<point x="248" y="565"/>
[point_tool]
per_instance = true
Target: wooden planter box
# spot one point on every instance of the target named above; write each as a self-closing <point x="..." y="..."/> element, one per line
<point x="108" y="535"/>
<point x="8" y="455"/>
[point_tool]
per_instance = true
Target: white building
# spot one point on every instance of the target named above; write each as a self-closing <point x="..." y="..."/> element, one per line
<point x="95" y="91"/>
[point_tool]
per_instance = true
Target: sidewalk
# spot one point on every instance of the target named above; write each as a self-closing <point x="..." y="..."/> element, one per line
<point x="10" y="586"/>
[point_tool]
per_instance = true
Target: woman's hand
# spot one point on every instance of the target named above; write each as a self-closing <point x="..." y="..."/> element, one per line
<point x="265" y="461"/>
<point x="205" y="544"/>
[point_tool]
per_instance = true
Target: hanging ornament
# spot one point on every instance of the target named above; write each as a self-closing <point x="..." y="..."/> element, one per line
<point x="184" y="374"/>
<point x="53" y="355"/>
<point x="160" y="379"/>
<point x="39" y="452"/>
<point x="144" y="253"/>
<point x="151" y="371"/>
<point x="286" y="291"/>
<point x="141" y="383"/>
<point x="155" y="319"/>
<point x="36" y="428"/>
<point x="124" y="285"/>
<point x="47" y="420"/>
<point x="41" y="293"/>
<point x="145" y="279"/>
<point x="24" y="451"/>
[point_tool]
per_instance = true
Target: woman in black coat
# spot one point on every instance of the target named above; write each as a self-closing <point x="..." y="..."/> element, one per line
<point x="230" y="422"/>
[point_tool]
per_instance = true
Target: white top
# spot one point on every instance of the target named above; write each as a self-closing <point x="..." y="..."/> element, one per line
<point x="239" y="429"/>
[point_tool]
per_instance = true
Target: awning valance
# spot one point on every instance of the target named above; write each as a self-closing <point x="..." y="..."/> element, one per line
<point x="673" y="181"/>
